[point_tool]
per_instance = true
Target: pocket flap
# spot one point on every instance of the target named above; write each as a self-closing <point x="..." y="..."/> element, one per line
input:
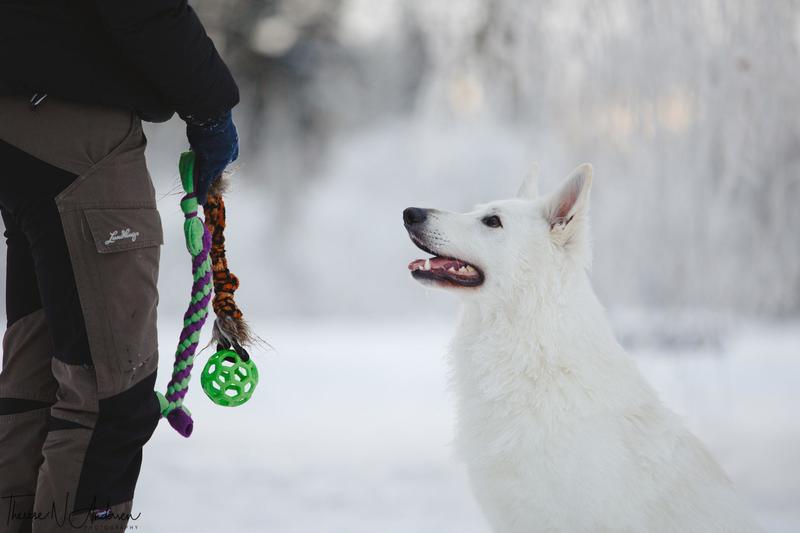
<point x="117" y="230"/>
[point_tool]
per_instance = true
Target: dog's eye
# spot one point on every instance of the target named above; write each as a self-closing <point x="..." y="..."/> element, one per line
<point x="492" y="221"/>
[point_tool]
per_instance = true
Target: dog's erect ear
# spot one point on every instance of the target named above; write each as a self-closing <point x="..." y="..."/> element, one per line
<point x="530" y="185"/>
<point x="566" y="209"/>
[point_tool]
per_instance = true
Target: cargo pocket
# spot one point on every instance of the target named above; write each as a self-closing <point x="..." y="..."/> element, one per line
<point x="117" y="284"/>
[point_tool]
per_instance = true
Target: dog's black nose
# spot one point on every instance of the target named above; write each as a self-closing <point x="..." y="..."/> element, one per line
<point x="414" y="215"/>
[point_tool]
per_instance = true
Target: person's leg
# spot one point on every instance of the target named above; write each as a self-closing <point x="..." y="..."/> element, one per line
<point x="27" y="386"/>
<point x="99" y="299"/>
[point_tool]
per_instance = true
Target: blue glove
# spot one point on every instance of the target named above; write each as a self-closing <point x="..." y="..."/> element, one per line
<point x="215" y="144"/>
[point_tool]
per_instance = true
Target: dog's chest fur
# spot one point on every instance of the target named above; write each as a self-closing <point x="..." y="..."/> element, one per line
<point x="561" y="433"/>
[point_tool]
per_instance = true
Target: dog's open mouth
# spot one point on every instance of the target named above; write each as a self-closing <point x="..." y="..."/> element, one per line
<point x="446" y="270"/>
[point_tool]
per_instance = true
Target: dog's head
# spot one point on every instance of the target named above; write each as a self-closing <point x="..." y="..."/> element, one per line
<point x="504" y="245"/>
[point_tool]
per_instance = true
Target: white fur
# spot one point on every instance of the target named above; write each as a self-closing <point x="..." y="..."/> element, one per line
<point x="559" y="430"/>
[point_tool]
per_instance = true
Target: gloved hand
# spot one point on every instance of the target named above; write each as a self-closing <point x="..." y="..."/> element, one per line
<point x="215" y="144"/>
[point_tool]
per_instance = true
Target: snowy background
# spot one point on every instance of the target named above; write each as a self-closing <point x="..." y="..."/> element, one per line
<point x="355" y="109"/>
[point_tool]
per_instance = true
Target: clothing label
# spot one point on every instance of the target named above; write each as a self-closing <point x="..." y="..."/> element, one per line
<point x="118" y="235"/>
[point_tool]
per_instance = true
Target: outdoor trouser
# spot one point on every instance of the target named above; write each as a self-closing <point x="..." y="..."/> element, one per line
<point x="80" y="348"/>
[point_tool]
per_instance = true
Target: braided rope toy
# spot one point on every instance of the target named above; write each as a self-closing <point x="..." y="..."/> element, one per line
<point x="230" y="376"/>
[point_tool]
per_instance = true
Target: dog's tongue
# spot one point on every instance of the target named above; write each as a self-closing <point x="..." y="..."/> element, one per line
<point x="444" y="264"/>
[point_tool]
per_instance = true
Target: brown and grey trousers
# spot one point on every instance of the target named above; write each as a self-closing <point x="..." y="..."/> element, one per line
<point x="80" y="349"/>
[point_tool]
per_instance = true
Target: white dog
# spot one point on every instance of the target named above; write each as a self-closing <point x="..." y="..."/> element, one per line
<point x="559" y="430"/>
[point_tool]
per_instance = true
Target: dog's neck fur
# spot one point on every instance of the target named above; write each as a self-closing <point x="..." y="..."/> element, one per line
<point x="532" y="360"/>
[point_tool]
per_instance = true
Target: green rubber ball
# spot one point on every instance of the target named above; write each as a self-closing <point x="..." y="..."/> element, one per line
<point x="228" y="380"/>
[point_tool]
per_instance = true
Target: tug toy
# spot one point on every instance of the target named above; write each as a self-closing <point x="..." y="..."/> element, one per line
<point x="230" y="376"/>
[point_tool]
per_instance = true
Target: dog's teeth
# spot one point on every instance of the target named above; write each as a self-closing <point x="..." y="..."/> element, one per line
<point x="427" y="264"/>
<point x="451" y="269"/>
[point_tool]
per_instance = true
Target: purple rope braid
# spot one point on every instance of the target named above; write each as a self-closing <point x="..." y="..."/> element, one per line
<point x="179" y="418"/>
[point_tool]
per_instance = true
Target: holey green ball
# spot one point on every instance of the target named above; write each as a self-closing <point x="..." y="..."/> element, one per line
<point x="228" y="380"/>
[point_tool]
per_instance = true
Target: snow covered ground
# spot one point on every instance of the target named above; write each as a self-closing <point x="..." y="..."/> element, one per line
<point x="349" y="432"/>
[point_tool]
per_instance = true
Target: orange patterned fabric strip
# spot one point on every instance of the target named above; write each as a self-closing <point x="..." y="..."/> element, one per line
<point x="225" y="282"/>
